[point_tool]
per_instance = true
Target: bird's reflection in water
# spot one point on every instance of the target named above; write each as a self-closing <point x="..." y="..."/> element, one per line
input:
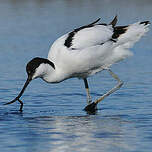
<point x="84" y="133"/>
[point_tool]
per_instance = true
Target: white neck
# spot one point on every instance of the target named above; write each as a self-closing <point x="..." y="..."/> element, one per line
<point x="48" y="73"/>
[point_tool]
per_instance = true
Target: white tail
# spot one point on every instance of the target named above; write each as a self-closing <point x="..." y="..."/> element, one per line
<point x="124" y="37"/>
<point x="132" y="34"/>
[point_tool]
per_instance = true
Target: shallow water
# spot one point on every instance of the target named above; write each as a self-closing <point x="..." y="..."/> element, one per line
<point x="53" y="119"/>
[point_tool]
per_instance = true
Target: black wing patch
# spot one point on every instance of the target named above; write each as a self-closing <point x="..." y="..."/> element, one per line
<point x="114" y="21"/>
<point x="145" y="22"/>
<point x="68" y="41"/>
<point x="118" y="30"/>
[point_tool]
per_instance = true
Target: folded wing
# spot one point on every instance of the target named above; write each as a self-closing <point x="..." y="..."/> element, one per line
<point x="90" y="35"/>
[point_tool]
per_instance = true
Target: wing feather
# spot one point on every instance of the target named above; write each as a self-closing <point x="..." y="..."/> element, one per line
<point x="95" y="35"/>
<point x="68" y="41"/>
<point x="90" y="35"/>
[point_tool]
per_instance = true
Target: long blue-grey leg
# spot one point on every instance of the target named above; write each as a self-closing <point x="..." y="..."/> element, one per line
<point x="92" y="106"/>
<point x="89" y="100"/>
<point x="120" y="83"/>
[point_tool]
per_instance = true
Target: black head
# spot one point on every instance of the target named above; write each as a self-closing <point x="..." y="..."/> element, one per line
<point x="34" y="64"/>
<point x="31" y="69"/>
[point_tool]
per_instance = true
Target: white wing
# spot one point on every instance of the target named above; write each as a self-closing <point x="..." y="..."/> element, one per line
<point x="89" y="36"/>
<point x="95" y="47"/>
<point x="82" y="38"/>
<point x="86" y="36"/>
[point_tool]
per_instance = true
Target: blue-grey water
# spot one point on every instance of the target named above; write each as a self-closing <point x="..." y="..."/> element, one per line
<point x="52" y="119"/>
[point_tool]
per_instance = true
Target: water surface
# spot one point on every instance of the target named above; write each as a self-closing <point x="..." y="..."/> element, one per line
<point x="53" y="119"/>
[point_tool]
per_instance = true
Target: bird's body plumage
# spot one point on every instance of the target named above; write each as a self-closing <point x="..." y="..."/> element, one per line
<point x="93" y="49"/>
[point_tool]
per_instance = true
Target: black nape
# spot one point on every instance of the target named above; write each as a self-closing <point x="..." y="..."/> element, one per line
<point x="35" y="62"/>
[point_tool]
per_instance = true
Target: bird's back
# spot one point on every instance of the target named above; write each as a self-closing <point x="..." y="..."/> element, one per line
<point x="90" y="49"/>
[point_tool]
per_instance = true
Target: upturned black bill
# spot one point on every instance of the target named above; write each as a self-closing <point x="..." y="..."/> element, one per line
<point x="20" y="94"/>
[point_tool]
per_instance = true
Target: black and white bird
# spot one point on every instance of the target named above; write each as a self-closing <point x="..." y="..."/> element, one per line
<point x="84" y="52"/>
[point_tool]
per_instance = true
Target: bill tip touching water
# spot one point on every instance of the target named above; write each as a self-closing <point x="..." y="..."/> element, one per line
<point x="84" y="52"/>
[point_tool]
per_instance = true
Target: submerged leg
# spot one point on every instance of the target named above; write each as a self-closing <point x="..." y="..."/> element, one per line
<point x="87" y="91"/>
<point x="120" y="83"/>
